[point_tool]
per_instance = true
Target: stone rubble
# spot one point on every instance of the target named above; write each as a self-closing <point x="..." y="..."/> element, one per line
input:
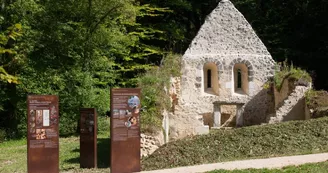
<point x="148" y="145"/>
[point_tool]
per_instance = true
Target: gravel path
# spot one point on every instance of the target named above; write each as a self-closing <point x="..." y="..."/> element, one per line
<point x="276" y="162"/>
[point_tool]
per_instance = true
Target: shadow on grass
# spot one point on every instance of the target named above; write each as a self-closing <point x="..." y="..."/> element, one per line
<point x="103" y="154"/>
<point x="67" y="135"/>
<point x="76" y="150"/>
<point x="75" y="160"/>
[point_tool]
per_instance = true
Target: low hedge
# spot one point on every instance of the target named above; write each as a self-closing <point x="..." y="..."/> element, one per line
<point x="290" y="138"/>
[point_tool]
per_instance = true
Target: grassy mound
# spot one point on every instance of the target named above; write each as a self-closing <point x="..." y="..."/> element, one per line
<point x="290" y="138"/>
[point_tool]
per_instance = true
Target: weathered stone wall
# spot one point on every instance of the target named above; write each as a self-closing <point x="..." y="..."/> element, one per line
<point x="225" y="39"/>
<point x="182" y="121"/>
<point x="297" y="112"/>
<point x="260" y="68"/>
<point x="149" y="144"/>
<point x="226" y="32"/>
<point x="293" y="107"/>
<point x="208" y="119"/>
<point x="281" y="95"/>
<point x="307" y="112"/>
<point x="193" y="101"/>
<point x="259" y="107"/>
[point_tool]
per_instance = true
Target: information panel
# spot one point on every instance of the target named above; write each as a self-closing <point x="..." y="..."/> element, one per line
<point x="125" y="130"/>
<point x="88" y="138"/>
<point x="42" y="134"/>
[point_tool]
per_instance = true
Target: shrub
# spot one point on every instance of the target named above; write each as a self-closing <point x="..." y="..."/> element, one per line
<point x="103" y="125"/>
<point x="154" y="97"/>
<point x="318" y="102"/>
<point x="315" y="99"/>
<point x="286" y="72"/>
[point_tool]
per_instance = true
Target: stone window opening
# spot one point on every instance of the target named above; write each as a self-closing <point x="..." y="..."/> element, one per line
<point x="240" y="79"/>
<point x="210" y="79"/>
<point x="227" y="114"/>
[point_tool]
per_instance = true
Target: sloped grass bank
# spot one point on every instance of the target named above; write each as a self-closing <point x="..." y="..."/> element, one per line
<point x="290" y="138"/>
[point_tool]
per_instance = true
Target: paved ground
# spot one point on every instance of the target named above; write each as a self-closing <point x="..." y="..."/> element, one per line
<point x="276" y="162"/>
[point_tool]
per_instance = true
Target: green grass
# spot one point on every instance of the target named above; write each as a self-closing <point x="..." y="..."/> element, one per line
<point x="290" y="138"/>
<point x="13" y="155"/>
<point x="306" y="168"/>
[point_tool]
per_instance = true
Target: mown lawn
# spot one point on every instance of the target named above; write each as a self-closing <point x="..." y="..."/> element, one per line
<point x="13" y="154"/>
<point x="306" y="168"/>
<point x="290" y="138"/>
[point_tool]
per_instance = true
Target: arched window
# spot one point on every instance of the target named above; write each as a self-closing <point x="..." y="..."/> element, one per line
<point x="210" y="78"/>
<point x="240" y="78"/>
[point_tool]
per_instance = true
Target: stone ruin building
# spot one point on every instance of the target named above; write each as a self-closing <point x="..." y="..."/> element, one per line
<point x="224" y="71"/>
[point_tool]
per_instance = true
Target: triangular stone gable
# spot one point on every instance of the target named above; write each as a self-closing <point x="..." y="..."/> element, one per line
<point x="226" y="31"/>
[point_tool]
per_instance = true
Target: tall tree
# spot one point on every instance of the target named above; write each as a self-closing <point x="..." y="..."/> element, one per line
<point x="75" y="49"/>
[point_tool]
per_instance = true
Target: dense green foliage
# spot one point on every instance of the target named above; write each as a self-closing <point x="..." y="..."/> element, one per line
<point x="155" y="84"/>
<point x="74" y="49"/>
<point x="182" y="24"/>
<point x="79" y="49"/>
<point x="297" y="137"/>
<point x="6" y="53"/>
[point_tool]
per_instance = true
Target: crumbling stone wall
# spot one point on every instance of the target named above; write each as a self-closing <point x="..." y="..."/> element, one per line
<point x="292" y="107"/>
<point x="282" y="94"/>
<point x="149" y="144"/>
<point x="225" y="39"/>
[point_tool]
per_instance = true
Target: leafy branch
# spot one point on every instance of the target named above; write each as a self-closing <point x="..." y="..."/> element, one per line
<point x="10" y="34"/>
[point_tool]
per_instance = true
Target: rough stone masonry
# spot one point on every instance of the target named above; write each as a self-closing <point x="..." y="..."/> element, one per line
<point x="226" y="64"/>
